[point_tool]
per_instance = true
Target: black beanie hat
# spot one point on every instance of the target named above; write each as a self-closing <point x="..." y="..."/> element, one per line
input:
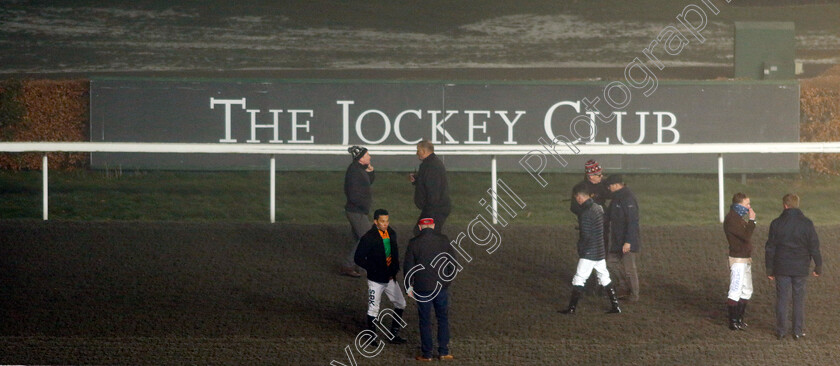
<point x="357" y="152"/>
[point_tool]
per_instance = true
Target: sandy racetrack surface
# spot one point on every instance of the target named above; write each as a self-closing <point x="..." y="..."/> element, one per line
<point x="217" y="293"/>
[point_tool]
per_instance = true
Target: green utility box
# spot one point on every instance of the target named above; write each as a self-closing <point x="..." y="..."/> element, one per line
<point x="765" y="50"/>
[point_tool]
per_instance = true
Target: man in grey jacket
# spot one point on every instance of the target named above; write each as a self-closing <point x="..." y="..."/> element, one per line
<point x="791" y="245"/>
<point x="590" y="247"/>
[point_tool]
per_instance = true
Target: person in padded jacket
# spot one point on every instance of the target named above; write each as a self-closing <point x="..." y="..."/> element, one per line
<point x="379" y="254"/>
<point x="791" y="245"/>
<point x="590" y="247"/>
<point x="624" y="238"/>
<point x="596" y="185"/>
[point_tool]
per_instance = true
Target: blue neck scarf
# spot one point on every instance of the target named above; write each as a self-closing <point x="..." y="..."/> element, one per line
<point x="739" y="209"/>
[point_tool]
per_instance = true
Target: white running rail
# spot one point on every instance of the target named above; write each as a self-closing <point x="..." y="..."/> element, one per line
<point x="490" y="151"/>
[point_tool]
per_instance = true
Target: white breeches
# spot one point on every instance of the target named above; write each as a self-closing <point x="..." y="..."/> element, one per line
<point x="740" y="281"/>
<point x="391" y="289"/>
<point x="584" y="269"/>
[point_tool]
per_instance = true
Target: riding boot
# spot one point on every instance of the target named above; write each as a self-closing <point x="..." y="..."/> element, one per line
<point x="733" y="317"/>
<point x="395" y="328"/>
<point x="614" y="309"/>
<point x="742" y="307"/>
<point x="576" y="291"/>
<point x="370" y="325"/>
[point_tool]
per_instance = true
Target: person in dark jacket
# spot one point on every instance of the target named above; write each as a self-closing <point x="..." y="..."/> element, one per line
<point x="593" y="181"/>
<point x="738" y="226"/>
<point x="624" y="237"/>
<point x="791" y="246"/>
<point x="590" y="247"/>
<point x="378" y="253"/>
<point x="426" y="260"/>
<point x="357" y="181"/>
<point x="431" y="187"/>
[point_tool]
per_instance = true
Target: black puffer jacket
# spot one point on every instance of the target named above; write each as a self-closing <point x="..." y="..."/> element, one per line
<point x="791" y="245"/>
<point x="591" y="223"/>
<point x="600" y="193"/>
<point x="357" y="188"/>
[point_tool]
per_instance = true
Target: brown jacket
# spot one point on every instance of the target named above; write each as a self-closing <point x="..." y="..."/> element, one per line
<point x="739" y="234"/>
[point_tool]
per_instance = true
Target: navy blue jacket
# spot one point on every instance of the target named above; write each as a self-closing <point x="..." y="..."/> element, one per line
<point x="422" y="249"/>
<point x="791" y="245"/>
<point x="624" y="221"/>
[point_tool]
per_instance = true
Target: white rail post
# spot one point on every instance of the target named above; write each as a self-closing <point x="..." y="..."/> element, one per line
<point x="272" y="189"/>
<point x="45" y="188"/>
<point x="495" y="194"/>
<point x="720" y="185"/>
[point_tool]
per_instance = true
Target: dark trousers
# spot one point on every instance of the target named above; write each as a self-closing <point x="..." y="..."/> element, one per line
<point x="785" y="287"/>
<point x="359" y="225"/>
<point x="440" y="219"/>
<point x="441" y="306"/>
